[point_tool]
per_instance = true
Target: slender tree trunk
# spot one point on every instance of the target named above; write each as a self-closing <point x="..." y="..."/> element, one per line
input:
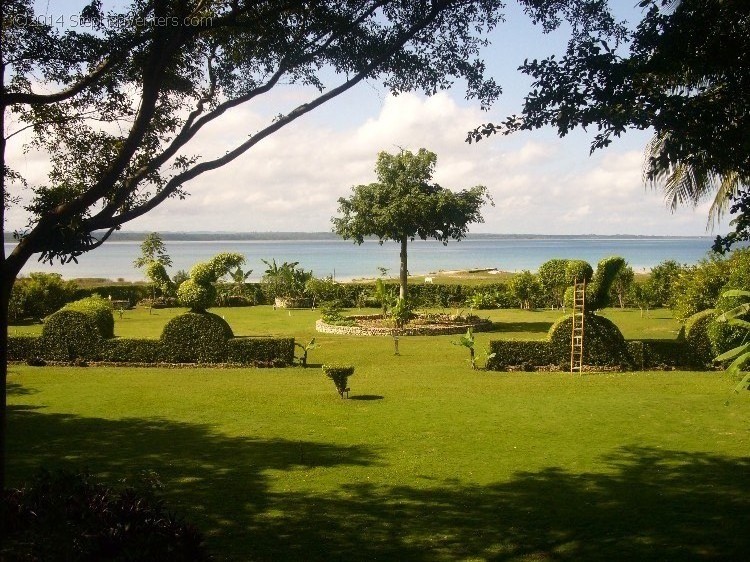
<point x="404" y="272"/>
<point x="5" y="287"/>
<point x="4" y="301"/>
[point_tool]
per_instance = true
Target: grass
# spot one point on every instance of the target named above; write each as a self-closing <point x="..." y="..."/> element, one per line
<point x="427" y="461"/>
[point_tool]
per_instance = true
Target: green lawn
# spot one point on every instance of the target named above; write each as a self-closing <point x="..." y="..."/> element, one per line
<point x="428" y="460"/>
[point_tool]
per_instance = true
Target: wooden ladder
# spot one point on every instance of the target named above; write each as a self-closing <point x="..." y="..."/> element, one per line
<point x="576" y="338"/>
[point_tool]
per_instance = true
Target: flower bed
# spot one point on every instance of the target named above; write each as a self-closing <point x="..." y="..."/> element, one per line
<point x="422" y="325"/>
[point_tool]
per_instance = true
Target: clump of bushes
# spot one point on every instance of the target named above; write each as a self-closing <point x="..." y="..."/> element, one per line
<point x="330" y="312"/>
<point x="100" y="310"/>
<point x="66" y="516"/>
<point x="339" y="374"/>
<point x="695" y="336"/>
<point x="195" y="337"/>
<point x="604" y="344"/>
<point x="68" y="335"/>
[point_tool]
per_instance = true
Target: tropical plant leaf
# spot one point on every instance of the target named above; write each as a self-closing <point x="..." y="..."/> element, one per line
<point x="734" y="352"/>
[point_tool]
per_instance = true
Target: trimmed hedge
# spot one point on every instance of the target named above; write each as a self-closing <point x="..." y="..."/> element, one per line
<point x="195" y="337"/>
<point x="69" y="335"/>
<point x="276" y="352"/>
<point x="121" y="350"/>
<point x="21" y="348"/>
<point x="604" y="344"/>
<point x="100" y="310"/>
<point x="697" y="342"/>
<point x="658" y="354"/>
<point x="523" y="355"/>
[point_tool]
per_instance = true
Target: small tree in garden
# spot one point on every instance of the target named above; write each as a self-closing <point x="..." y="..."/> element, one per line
<point x="621" y="285"/>
<point x="642" y="295"/>
<point x="286" y="281"/>
<point x="525" y="287"/>
<point x="552" y="278"/>
<point x="154" y="259"/>
<point x="404" y="204"/>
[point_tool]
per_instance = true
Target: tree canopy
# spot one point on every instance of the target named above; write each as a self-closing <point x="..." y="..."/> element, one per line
<point x="404" y="205"/>
<point x="683" y="72"/>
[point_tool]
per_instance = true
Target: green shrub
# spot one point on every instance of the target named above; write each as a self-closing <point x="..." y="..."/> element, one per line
<point x="122" y="350"/>
<point x="519" y="354"/>
<point x="196" y="296"/>
<point x="697" y="342"/>
<point x="68" y="335"/>
<point x="482" y="300"/>
<point x="604" y="344"/>
<point x="21" y="348"/>
<point x="39" y="295"/>
<point x="330" y="312"/>
<point x="578" y="270"/>
<point x="66" y="516"/>
<point x="339" y="374"/>
<point x="275" y="352"/>
<point x="664" y="353"/>
<point x="100" y="310"/>
<point x="195" y="337"/>
<point x="601" y="283"/>
<point x="723" y="335"/>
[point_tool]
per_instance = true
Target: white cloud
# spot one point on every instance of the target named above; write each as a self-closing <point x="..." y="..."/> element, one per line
<point x="292" y="180"/>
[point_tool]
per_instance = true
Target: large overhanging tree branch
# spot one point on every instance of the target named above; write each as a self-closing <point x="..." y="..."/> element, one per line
<point x="684" y="75"/>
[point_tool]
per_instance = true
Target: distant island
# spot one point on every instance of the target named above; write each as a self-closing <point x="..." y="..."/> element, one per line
<point x="215" y="236"/>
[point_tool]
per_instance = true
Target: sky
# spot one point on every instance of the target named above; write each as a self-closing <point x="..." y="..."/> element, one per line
<point x="291" y="181"/>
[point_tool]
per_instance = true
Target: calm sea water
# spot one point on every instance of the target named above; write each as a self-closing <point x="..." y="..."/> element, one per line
<point x="114" y="260"/>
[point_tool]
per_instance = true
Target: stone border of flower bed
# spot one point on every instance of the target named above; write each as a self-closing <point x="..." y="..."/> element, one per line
<point x="425" y="330"/>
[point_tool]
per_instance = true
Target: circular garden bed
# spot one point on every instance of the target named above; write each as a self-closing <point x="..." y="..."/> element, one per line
<point x="421" y="325"/>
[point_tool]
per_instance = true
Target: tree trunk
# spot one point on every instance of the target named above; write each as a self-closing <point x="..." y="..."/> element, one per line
<point x="5" y="288"/>
<point x="404" y="271"/>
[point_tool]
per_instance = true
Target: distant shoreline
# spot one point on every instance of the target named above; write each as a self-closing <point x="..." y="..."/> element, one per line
<point x="301" y="236"/>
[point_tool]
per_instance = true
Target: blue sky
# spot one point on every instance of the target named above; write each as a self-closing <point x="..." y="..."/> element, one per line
<point x="291" y="181"/>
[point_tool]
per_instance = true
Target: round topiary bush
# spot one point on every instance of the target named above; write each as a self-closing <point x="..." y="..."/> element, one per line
<point x="100" y="310"/>
<point x="196" y="337"/>
<point x="604" y="344"/>
<point x="339" y="374"/>
<point x="196" y="296"/>
<point x="697" y="340"/>
<point x="68" y="335"/>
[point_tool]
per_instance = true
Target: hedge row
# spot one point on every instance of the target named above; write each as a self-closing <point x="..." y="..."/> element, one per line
<point x="432" y="295"/>
<point x="604" y="347"/>
<point x="258" y="351"/>
<point x="638" y="355"/>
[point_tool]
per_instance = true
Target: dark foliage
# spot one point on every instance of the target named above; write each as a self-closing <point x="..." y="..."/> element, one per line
<point x="61" y="516"/>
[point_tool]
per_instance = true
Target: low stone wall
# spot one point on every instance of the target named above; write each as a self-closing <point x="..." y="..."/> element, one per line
<point x="424" y="330"/>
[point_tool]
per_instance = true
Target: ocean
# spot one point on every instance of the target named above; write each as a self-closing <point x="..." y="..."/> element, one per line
<point x="346" y="261"/>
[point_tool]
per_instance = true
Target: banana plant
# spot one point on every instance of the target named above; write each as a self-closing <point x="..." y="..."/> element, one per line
<point x="468" y="341"/>
<point x="740" y="355"/>
<point x="305" y="349"/>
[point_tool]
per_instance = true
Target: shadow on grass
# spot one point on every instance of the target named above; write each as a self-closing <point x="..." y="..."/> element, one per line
<point x="15" y="389"/>
<point x="536" y="327"/>
<point x="366" y="397"/>
<point x="649" y="504"/>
